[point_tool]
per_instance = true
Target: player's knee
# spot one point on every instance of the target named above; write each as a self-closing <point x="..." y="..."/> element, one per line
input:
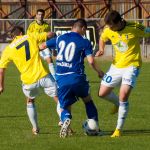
<point x="87" y="99"/>
<point x="101" y="94"/>
<point x="29" y="100"/>
<point x="49" y="60"/>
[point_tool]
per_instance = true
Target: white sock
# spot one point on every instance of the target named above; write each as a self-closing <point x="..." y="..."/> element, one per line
<point x="113" y="98"/>
<point x="32" y="114"/>
<point x="52" y="70"/>
<point x="122" y="114"/>
<point x="58" y="109"/>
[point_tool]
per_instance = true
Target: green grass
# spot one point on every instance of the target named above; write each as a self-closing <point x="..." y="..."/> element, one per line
<point x="15" y="129"/>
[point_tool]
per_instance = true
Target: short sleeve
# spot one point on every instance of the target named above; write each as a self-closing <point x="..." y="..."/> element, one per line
<point x="4" y="61"/>
<point x="104" y="34"/>
<point x="51" y="44"/>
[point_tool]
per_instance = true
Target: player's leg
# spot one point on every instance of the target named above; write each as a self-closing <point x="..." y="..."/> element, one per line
<point x="59" y="110"/>
<point x="111" y="79"/>
<point x="123" y="108"/>
<point x="66" y="99"/>
<point x="128" y="82"/>
<point x="51" y="67"/>
<point x="31" y="92"/>
<point x="47" y="55"/>
<point x="107" y="94"/>
<point x="50" y="89"/>
<point x="90" y="107"/>
<point x="32" y="114"/>
<point x="83" y="90"/>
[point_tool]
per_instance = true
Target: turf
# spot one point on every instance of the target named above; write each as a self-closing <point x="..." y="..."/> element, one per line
<point x="15" y="129"/>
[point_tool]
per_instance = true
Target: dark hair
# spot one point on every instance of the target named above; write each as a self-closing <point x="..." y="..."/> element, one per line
<point x="41" y="10"/>
<point x="112" y="17"/>
<point x="80" y="22"/>
<point x="17" y="30"/>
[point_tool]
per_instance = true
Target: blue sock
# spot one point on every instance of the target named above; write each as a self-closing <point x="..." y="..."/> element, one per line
<point x="65" y="114"/>
<point x="91" y="110"/>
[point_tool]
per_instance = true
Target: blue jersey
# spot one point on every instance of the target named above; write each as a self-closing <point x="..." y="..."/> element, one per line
<point x="72" y="48"/>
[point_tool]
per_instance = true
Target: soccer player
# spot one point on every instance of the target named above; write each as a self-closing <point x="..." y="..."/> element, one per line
<point x="125" y="38"/>
<point x="24" y="52"/>
<point x="39" y="26"/>
<point x="70" y="77"/>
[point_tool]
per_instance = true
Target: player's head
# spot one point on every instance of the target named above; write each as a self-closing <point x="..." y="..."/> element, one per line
<point x="79" y="26"/>
<point x="17" y="30"/>
<point x="40" y="13"/>
<point x="114" y="20"/>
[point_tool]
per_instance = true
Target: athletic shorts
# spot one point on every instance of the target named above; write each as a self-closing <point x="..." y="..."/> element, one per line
<point x="47" y="83"/>
<point x="117" y="76"/>
<point x="46" y="53"/>
<point x="69" y="94"/>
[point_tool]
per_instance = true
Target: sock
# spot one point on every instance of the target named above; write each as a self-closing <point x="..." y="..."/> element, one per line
<point x="65" y="114"/>
<point x="113" y="98"/>
<point x="58" y="110"/>
<point x="52" y="70"/>
<point x="32" y="114"/>
<point x="122" y="114"/>
<point x="91" y="110"/>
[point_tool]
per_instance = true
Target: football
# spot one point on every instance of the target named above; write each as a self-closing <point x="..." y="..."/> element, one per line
<point x="90" y="127"/>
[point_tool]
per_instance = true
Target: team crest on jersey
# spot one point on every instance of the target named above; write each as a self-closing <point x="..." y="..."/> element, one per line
<point x="121" y="46"/>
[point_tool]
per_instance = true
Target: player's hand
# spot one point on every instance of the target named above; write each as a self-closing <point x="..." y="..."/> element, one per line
<point x="99" y="53"/>
<point x="42" y="46"/>
<point x="101" y="74"/>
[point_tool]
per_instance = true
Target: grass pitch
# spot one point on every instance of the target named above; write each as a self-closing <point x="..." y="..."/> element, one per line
<point x="15" y="129"/>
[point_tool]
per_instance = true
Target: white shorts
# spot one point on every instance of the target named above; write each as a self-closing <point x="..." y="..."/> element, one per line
<point x="46" y="53"/>
<point x="47" y="83"/>
<point x="117" y="76"/>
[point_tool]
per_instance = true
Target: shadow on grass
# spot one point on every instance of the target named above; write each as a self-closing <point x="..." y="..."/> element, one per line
<point x="11" y="116"/>
<point x="137" y="132"/>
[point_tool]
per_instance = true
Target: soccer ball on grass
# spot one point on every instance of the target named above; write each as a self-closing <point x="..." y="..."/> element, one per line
<point x="90" y="127"/>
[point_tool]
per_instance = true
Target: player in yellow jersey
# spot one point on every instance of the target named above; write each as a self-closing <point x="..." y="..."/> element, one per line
<point x="125" y="38"/>
<point x="39" y="26"/>
<point x="24" y="52"/>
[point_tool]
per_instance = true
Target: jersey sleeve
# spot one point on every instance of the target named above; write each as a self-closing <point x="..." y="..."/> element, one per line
<point x="104" y="34"/>
<point x="51" y="44"/>
<point x="4" y="61"/>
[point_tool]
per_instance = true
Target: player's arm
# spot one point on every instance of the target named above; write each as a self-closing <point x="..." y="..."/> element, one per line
<point x="102" y="41"/>
<point x="2" y="73"/>
<point x="92" y="62"/>
<point x="51" y="44"/>
<point x="101" y="48"/>
<point x="4" y="61"/>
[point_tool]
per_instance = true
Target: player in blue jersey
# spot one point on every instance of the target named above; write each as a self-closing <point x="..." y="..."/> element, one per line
<point x="72" y="48"/>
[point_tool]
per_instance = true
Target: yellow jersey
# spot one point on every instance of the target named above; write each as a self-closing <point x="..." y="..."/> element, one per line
<point x="24" y="52"/>
<point x="35" y="27"/>
<point x="126" y="44"/>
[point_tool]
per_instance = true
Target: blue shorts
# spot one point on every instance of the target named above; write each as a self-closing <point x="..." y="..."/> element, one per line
<point x="69" y="94"/>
